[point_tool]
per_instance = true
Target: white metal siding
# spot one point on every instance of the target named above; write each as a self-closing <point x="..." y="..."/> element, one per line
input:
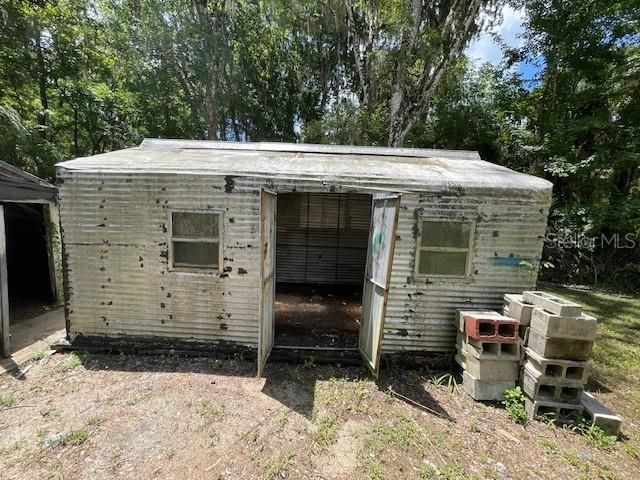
<point x="114" y="229"/>
<point x="420" y="310"/>
<point x="115" y="234"/>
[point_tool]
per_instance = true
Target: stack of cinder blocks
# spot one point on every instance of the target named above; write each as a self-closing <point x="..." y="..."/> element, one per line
<point x="558" y="344"/>
<point x="488" y="350"/>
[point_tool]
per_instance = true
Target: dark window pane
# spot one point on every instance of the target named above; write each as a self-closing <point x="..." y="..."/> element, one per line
<point x="194" y="225"/>
<point x="445" y="234"/>
<point x="198" y="254"/>
<point x="443" y="263"/>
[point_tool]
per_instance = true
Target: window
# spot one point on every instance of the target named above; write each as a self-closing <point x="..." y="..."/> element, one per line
<point x="444" y="248"/>
<point x="195" y="239"/>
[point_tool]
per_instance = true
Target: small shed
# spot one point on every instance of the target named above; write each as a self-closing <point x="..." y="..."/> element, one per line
<point x="30" y="248"/>
<point x="293" y="245"/>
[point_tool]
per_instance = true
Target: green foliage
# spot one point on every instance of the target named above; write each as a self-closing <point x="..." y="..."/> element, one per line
<point x="81" y="78"/>
<point x="594" y="434"/>
<point x="514" y="404"/>
<point x="75" y="438"/>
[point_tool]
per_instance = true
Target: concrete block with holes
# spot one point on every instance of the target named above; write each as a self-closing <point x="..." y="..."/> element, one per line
<point x="559" y="348"/>
<point x="491" y="370"/>
<point x="536" y="386"/>
<point x="493" y="328"/>
<point x="488" y="350"/>
<point x="516" y="307"/>
<point x="461" y="314"/>
<point x="552" y="303"/>
<point x="485" y="391"/>
<point x="600" y="415"/>
<point x="558" y="411"/>
<point x="551" y="325"/>
<point x="552" y="369"/>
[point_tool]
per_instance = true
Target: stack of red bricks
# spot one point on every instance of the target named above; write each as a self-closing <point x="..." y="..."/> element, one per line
<point x="558" y="339"/>
<point x="488" y="350"/>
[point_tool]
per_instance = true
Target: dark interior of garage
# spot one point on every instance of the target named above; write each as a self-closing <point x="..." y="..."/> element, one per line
<point x="321" y="250"/>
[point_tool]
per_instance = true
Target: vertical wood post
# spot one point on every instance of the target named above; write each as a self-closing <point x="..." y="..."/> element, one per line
<point x="54" y="251"/>
<point x="5" y="348"/>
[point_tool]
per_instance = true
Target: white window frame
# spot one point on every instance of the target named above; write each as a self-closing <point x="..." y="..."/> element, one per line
<point x="191" y="267"/>
<point x="469" y="250"/>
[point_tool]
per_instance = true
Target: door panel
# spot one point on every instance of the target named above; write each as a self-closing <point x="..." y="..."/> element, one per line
<point x="382" y="236"/>
<point x="268" y="206"/>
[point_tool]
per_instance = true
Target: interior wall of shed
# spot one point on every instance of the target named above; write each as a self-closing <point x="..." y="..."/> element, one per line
<point x="321" y="250"/>
<point x="28" y="266"/>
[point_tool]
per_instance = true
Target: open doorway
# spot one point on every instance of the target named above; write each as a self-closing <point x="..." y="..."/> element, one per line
<point x="321" y="253"/>
<point x="31" y="283"/>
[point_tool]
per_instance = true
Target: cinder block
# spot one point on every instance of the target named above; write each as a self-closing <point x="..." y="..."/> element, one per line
<point x="560" y="412"/>
<point x="496" y="328"/>
<point x="555" y="326"/>
<point x="601" y="416"/>
<point x="536" y="387"/>
<point x="492" y="370"/>
<point x="552" y="303"/>
<point x="474" y="313"/>
<point x="559" y="348"/>
<point x="486" y="391"/>
<point x="488" y="350"/>
<point x="516" y="307"/>
<point x="562" y="371"/>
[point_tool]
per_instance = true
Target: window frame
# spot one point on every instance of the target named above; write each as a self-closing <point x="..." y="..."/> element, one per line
<point x="469" y="250"/>
<point x="192" y="268"/>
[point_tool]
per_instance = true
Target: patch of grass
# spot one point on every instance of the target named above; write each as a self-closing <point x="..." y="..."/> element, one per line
<point x="42" y="432"/>
<point x="402" y="432"/>
<point x="7" y="400"/>
<point x="374" y="470"/>
<point x="453" y="471"/>
<point x="343" y="393"/>
<point x="427" y="472"/>
<point x="75" y="438"/>
<point x="571" y="457"/>
<point x="594" y="434"/>
<point x="209" y="412"/>
<point x="8" y="448"/>
<point x="514" y="404"/>
<point x="276" y="467"/>
<point x="448" y="380"/>
<point x="632" y="450"/>
<point x="95" y="421"/>
<point x="616" y="359"/>
<point x="327" y="431"/>
<point x="549" y="446"/>
<point x="74" y="361"/>
<point x="40" y="354"/>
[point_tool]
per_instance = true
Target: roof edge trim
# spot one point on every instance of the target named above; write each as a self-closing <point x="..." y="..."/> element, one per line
<point x="161" y="144"/>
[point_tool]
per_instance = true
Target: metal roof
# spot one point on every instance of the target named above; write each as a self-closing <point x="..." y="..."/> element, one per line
<point x="17" y="185"/>
<point x="413" y="169"/>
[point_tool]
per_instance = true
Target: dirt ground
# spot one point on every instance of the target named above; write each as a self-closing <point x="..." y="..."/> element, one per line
<point x="87" y="416"/>
<point x="318" y="316"/>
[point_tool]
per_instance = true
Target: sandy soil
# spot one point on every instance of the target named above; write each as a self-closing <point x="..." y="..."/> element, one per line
<point x="112" y="417"/>
<point x="318" y="316"/>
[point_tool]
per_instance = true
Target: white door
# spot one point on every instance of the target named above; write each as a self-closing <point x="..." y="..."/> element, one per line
<point x="382" y="236"/>
<point x="268" y="205"/>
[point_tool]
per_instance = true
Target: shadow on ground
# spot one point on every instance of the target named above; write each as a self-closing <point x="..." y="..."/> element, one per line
<point x="294" y="386"/>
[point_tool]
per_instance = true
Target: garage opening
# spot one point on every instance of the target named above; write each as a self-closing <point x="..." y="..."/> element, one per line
<point x="321" y="252"/>
<point x="29" y="275"/>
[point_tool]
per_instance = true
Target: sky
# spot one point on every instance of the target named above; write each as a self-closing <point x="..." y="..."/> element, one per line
<point x="484" y="49"/>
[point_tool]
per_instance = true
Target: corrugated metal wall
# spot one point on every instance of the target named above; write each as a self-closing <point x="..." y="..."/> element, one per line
<point x="322" y="237"/>
<point x="120" y="281"/>
<point x="116" y="246"/>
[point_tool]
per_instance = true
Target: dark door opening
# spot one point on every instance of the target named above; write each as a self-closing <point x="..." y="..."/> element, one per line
<point x="28" y="274"/>
<point x="321" y="252"/>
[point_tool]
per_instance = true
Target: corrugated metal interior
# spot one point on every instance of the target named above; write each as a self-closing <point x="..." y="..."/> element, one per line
<point x="322" y="237"/>
<point x="120" y="281"/>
